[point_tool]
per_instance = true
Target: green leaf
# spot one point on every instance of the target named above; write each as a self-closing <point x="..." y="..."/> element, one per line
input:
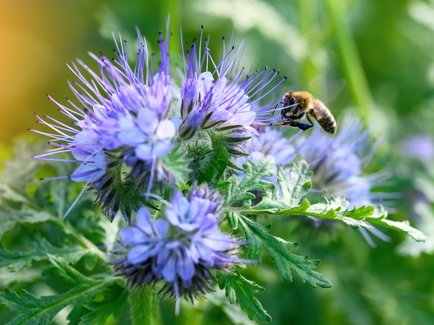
<point x="239" y="289"/>
<point x="404" y="226"/>
<point x="233" y="311"/>
<point x="240" y="190"/>
<point x="20" y="171"/>
<point x="143" y="306"/>
<point x="10" y="194"/>
<point x="232" y="219"/>
<point x="10" y="217"/>
<point x="210" y="159"/>
<point x="281" y="253"/>
<point x="38" y="249"/>
<point x="109" y="302"/>
<point x="361" y="217"/>
<point x="296" y="185"/>
<point x="425" y="222"/>
<point x="292" y="187"/>
<point x="176" y="163"/>
<point x="41" y="310"/>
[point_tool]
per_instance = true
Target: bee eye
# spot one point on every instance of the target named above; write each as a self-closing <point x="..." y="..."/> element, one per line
<point x="291" y="101"/>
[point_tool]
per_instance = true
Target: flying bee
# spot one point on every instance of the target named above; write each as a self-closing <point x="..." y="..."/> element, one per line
<point x="297" y="104"/>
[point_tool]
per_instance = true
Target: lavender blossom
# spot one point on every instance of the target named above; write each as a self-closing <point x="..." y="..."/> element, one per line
<point x="419" y="147"/>
<point x="218" y="96"/>
<point x="122" y="119"/>
<point x="181" y="249"/>
<point x="269" y="144"/>
<point x="337" y="163"/>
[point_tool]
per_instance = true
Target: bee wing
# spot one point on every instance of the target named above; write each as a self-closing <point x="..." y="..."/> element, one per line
<point x="326" y="89"/>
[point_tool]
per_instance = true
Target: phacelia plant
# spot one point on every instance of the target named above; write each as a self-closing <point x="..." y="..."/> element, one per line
<point x="184" y="164"/>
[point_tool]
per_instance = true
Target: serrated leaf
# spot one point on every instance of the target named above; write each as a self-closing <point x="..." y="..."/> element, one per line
<point x="296" y="185"/>
<point x="67" y="272"/>
<point x="141" y="303"/>
<point x="110" y="302"/>
<point x="364" y="217"/>
<point x="41" y="310"/>
<point x="38" y="249"/>
<point x="425" y="222"/>
<point x="176" y="163"/>
<point x="240" y="189"/>
<point x="210" y="158"/>
<point x="336" y="209"/>
<point x="19" y="171"/>
<point x="404" y="226"/>
<point x="232" y="311"/>
<point x="281" y="253"/>
<point x="239" y="289"/>
<point x="8" y="193"/>
<point x="292" y="187"/>
<point x="10" y="217"/>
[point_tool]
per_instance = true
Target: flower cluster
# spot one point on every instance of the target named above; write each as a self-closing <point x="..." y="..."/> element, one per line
<point x="128" y="119"/>
<point x="143" y="138"/>
<point x="337" y="162"/>
<point x="269" y="144"/>
<point x="180" y="249"/>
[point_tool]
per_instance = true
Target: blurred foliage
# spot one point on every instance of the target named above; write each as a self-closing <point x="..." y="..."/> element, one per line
<point x="380" y="51"/>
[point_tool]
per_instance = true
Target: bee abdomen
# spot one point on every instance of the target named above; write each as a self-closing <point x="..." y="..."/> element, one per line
<point x="328" y="124"/>
<point x="325" y="118"/>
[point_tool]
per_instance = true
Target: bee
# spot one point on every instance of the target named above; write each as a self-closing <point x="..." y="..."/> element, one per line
<point x="297" y="104"/>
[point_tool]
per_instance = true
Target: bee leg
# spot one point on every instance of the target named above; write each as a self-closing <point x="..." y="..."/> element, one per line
<point x="310" y="121"/>
<point x="301" y="126"/>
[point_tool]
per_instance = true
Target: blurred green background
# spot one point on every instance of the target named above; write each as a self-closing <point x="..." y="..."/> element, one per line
<point x="373" y="57"/>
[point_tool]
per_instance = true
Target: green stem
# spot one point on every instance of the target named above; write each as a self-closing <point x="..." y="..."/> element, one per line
<point x="353" y="70"/>
<point x="144" y="307"/>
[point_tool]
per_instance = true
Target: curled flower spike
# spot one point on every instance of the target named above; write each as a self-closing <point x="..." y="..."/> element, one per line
<point x="121" y="122"/>
<point x="217" y="95"/>
<point x="181" y="250"/>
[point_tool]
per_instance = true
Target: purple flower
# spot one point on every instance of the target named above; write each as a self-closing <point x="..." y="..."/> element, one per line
<point x="337" y="163"/>
<point x="181" y="249"/>
<point x="218" y="96"/>
<point x="122" y="118"/>
<point x="419" y="147"/>
<point x="269" y="144"/>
